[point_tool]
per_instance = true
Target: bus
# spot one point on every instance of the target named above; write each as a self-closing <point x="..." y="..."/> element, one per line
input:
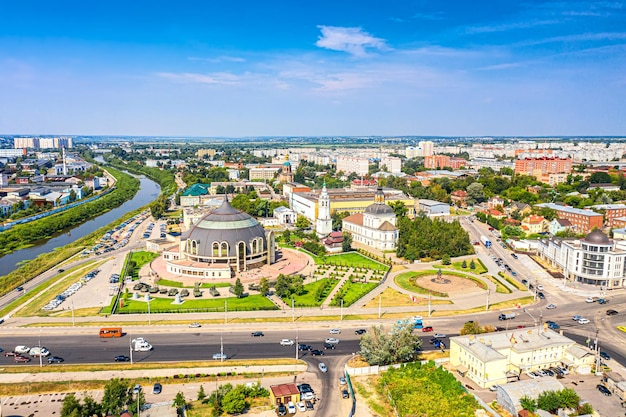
<point x="111" y="332"/>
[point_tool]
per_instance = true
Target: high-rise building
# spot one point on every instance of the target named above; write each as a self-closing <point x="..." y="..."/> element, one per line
<point x="349" y="165"/>
<point x="427" y="147"/>
<point x="25" y="143"/>
<point x="393" y="164"/>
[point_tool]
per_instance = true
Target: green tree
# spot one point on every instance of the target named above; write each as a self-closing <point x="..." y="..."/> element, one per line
<point x="399" y="208"/>
<point x="528" y="403"/>
<point x="71" y="406"/>
<point x="117" y="396"/>
<point x="302" y="222"/>
<point x="234" y="401"/>
<point x="264" y="286"/>
<point x="568" y="398"/>
<point x="179" y="402"/>
<point x="346" y="244"/>
<point x="91" y="407"/>
<point x="380" y="347"/>
<point x="72" y="196"/>
<point x="238" y="288"/>
<point x="549" y="401"/>
<point x="464" y="264"/>
<point x="445" y="259"/>
<point x="476" y="192"/>
<point x="201" y="394"/>
<point x="472" y="264"/>
<point x="472" y="327"/>
<point x="287" y="236"/>
<point x="337" y="218"/>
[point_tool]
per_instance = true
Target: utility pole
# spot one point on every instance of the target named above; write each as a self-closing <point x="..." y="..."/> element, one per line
<point x="40" y="355"/>
<point x="487" y="305"/>
<point x="297" y="343"/>
<point x="73" y="320"/>
<point x="341" y="311"/>
<point x="149" y="321"/>
<point x="429" y="305"/>
<point x="225" y="311"/>
<point x="293" y="311"/>
<point x="380" y="303"/>
<point x="221" y="347"/>
<point x="130" y="348"/>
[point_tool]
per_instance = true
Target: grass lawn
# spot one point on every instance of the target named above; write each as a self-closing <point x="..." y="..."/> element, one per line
<point x="394" y="298"/>
<point x="500" y="288"/>
<point x="141" y="258"/>
<point x="406" y="280"/>
<point x="308" y="298"/>
<point x="176" y="284"/>
<point x="253" y="302"/>
<point x="479" y="266"/>
<point x="352" y="292"/>
<point x="352" y="259"/>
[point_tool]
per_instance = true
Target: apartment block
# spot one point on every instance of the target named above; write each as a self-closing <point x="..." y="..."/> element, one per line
<point x="393" y="164"/>
<point x="612" y="212"/>
<point x="538" y="167"/>
<point x="349" y="164"/>
<point x="583" y="221"/>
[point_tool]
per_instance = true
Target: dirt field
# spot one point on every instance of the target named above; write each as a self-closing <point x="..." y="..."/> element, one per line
<point x="454" y="284"/>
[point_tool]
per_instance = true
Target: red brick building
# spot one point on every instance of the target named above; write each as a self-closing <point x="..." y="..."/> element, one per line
<point x="539" y="167"/>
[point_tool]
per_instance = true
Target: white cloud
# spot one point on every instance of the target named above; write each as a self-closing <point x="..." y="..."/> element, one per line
<point x="190" y="77"/>
<point x="354" y="41"/>
<point x="503" y="27"/>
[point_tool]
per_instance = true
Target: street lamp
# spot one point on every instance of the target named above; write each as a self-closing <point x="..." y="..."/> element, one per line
<point x="40" y="355"/>
<point x="149" y="299"/>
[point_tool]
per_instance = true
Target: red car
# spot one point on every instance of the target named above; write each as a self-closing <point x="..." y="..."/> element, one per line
<point x="427" y="329"/>
<point x="20" y="358"/>
<point x="7" y="354"/>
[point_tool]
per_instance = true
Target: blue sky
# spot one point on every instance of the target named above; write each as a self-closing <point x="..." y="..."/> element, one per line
<point x="263" y="68"/>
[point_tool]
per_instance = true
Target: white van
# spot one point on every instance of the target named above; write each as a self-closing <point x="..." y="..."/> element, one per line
<point x="21" y="349"/>
<point x="39" y="351"/>
<point x="143" y="346"/>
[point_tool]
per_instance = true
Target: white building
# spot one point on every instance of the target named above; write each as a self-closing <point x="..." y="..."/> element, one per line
<point x="595" y="260"/>
<point x="427" y="147"/>
<point x="285" y="216"/>
<point x="324" y="223"/>
<point x="393" y="164"/>
<point x="233" y="174"/>
<point x="265" y="173"/>
<point x="349" y="164"/>
<point x="376" y="227"/>
<point x="433" y="208"/>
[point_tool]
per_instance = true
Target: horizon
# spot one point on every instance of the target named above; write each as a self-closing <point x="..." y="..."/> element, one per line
<point x="317" y="69"/>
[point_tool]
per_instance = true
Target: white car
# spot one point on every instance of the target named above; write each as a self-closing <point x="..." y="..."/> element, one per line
<point x="493" y="388"/>
<point x="308" y="396"/>
<point x="440" y="335"/>
<point x="540" y="287"/>
<point x="21" y="349"/>
<point x="531" y="374"/>
<point x="219" y="356"/>
<point x="300" y="406"/>
<point x="583" y="321"/>
<point x="335" y="331"/>
<point x="323" y="367"/>
<point x="332" y="340"/>
<point x="291" y="408"/>
<point x="551" y="306"/>
<point x="39" y="351"/>
<point x="287" y="342"/>
<point x="590" y="300"/>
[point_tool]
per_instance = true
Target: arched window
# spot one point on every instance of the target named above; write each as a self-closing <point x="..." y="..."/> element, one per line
<point x="194" y="247"/>
<point x="224" y="249"/>
<point x="215" y="249"/>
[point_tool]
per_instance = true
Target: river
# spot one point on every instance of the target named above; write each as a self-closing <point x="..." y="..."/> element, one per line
<point x="148" y="191"/>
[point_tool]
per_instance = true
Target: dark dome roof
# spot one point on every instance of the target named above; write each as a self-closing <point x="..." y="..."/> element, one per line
<point x="597" y="238"/>
<point x="225" y="224"/>
<point x="379" y="208"/>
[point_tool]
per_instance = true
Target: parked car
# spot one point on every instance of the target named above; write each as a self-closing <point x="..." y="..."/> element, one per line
<point x="531" y="374"/>
<point x="157" y="389"/>
<point x="323" y="367"/>
<point x="137" y="389"/>
<point x="122" y="358"/>
<point x="335" y="331"/>
<point x="590" y="300"/>
<point x="291" y="408"/>
<point x="345" y="394"/>
<point x="360" y="331"/>
<point x="604" y="390"/>
<point x="493" y="388"/>
<point x="257" y="334"/>
<point x="342" y="381"/>
<point x="287" y="342"/>
<point x="440" y="335"/>
<point x="281" y="410"/>
<point x="308" y="396"/>
<point x="195" y="325"/>
<point x="577" y="317"/>
<point x="55" y="359"/>
<point x="605" y="356"/>
<point x="308" y="405"/>
<point x="611" y="312"/>
<point x="551" y="306"/>
<point x="332" y="340"/>
<point x="301" y="407"/>
<point x="583" y="321"/>
<point x="540" y="287"/>
<point x="541" y="295"/>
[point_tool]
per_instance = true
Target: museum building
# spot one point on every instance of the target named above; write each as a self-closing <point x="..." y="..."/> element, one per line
<point x="221" y="242"/>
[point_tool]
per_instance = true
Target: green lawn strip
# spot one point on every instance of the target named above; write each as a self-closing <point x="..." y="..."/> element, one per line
<point x="500" y="287"/>
<point x="308" y="298"/>
<point x="37" y="299"/>
<point x="406" y="281"/>
<point x="351" y="292"/>
<point x="479" y="267"/>
<point x="351" y="259"/>
<point x="141" y="258"/>
<point x="518" y="285"/>
<point x="164" y="305"/>
<point x="176" y="284"/>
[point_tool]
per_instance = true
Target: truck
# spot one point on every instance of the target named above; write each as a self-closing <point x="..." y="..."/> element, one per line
<point x="415" y="321"/>
<point x="141" y="345"/>
<point x="506" y="316"/>
<point x="485" y="240"/>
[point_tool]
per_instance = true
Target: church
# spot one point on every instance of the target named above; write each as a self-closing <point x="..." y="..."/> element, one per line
<point x="376" y="227"/>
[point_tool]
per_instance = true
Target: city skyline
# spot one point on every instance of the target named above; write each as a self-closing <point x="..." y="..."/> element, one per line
<point x="319" y="69"/>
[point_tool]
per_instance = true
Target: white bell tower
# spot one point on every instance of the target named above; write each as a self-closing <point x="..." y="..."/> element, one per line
<point x="324" y="224"/>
